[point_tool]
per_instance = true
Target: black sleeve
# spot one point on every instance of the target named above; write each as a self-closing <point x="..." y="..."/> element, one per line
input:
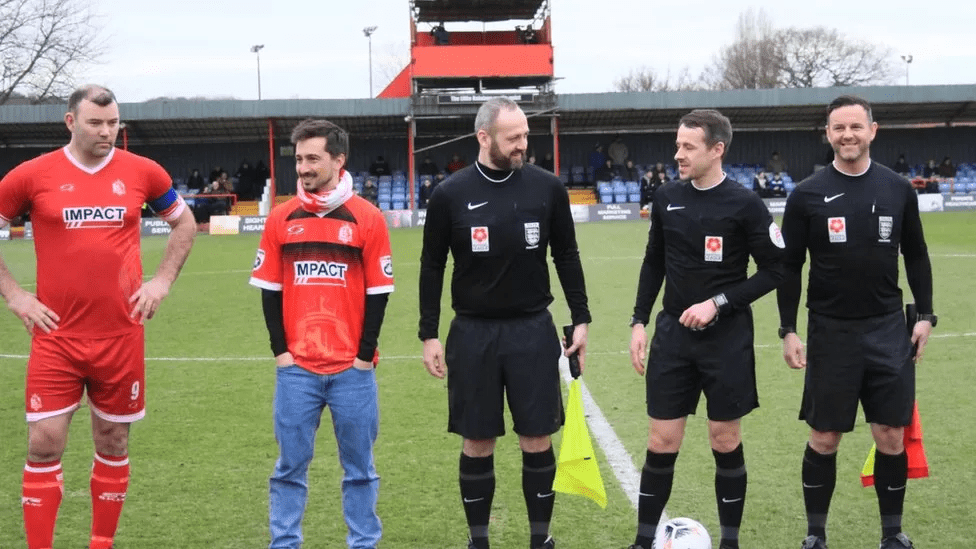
<point x="566" y="257"/>
<point x="375" y="310"/>
<point x="918" y="267"/>
<point x="652" y="269"/>
<point x="795" y="233"/>
<point x="433" y="261"/>
<point x="271" y="303"/>
<point x="764" y="246"/>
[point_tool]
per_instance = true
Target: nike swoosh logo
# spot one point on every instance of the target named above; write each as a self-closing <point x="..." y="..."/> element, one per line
<point x="890" y="489"/>
<point x="673" y="208"/>
<point x="466" y="500"/>
<point x="832" y="198"/>
<point x="731" y="500"/>
<point x="805" y="485"/>
<point x="475" y="206"/>
<point x="646" y="495"/>
<point x="549" y="495"/>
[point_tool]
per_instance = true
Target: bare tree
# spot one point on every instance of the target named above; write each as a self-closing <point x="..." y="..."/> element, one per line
<point x="392" y="58"/>
<point x="43" y="43"/>
<point x="819" y="57"/>
<point x="645" y="79"/>
<point x="752" y="61"/>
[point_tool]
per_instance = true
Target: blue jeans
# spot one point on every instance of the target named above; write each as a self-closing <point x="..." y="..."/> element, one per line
<point x="300" y="398"/>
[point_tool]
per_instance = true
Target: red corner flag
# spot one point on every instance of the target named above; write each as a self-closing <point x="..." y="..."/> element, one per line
<point x="918" y="466"/>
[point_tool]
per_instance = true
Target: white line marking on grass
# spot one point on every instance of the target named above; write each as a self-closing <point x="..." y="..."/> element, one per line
<point x="620" y="462"/>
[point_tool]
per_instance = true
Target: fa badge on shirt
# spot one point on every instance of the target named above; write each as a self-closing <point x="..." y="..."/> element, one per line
<point x="837" y="229"/>
<point x="885" y="223"/>
<point x="479" y="239"/>
<point x="713" y="248"/>
<point x="532" y="235"/>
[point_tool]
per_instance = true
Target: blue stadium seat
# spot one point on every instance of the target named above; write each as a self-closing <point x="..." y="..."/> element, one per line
<point x="399" y="205"/>
<point x="634" y="197"/>
<point x="384" y="205"/>
<point x="944" y="187"/>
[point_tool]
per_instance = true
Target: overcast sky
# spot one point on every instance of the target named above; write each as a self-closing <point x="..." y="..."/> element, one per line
<point x="317" y="49"/>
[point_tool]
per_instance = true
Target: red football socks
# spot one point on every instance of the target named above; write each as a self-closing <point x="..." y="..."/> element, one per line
<point x="109" y="483"/>
<point x="43" y="489"/>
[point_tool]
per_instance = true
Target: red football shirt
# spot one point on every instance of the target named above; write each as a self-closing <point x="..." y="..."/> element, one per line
<point x="325" y="266"/>
<point x="86" y="224"/>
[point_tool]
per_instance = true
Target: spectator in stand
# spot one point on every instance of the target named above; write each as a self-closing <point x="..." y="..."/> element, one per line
<point x="777" y="189"/>
<point x="659" y="169"/>
<point x="901" y="166"/>
<point x="597" y="158"/>
<point x="931" y="170"/>
<point x="629" y="172"/>
<point x="455" y="164"/>
<point x="426" y="187"/>
<point x="618" y="153"/>
<point x="379" y="167"/>
<point x="261" y="175"/>
<point x="947" y="170"/>
<point x="439" y="178"/>
<point x="775" y="164"/>
<point x="760" y="184"/>
<point x="662" y="177"/>
<point x="427" y="167"/>
<point x="440" y="34"/>
<point x="370" y="191"/>
<point x="648" y="185"/>
<point x="547" y="162"/>
<point x="531" y="159"/>
<point x="245" y="181"/>
<point x="604" y="172"/>
<point x="195" y="181"/>
<point x="214" y="174"/>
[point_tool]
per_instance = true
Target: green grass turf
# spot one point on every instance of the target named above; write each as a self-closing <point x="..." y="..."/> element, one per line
<point x="201" y="458"/>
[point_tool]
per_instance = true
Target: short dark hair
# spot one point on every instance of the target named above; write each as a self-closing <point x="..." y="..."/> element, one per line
<point x="716" y="126"/>
<point x="99" y="95"/>
<point x="336" y="138"/>
<point x="847" y="101"/>
<point x="488" y="113"/>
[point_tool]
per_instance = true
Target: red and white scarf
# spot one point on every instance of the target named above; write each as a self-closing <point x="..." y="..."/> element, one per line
<point x="323" y="202"/>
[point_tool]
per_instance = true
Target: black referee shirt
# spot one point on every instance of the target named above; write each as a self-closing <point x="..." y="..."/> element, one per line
<point x="699" y="245"/>
<point x="498" y="234"/>
<point x="853" y="227"/>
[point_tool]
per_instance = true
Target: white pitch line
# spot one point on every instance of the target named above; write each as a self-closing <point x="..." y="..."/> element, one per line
<point x="617" y="456"/>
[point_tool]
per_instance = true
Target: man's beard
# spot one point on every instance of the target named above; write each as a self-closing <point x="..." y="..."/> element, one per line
<point x="504" y="162"/>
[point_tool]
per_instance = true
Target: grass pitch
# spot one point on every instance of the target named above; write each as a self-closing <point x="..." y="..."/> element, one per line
<point x="202" y="456"/>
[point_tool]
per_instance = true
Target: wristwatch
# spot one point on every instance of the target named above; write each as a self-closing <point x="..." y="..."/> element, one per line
<point x="933" y="318"/>
<point x="634" y="321"/>
<point x="783" y="330"/>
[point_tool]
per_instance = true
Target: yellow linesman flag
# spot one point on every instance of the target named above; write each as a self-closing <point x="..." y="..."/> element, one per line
<point x="577" y="471"/>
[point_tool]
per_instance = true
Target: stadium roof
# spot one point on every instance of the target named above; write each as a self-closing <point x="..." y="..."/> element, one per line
<point x="182" y="121"/>
<point x="437" y="11"/>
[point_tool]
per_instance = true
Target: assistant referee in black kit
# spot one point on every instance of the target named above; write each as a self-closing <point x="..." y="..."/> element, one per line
<point x="499" y="218"/>
<point x="853" y="216"/>
<point x="703" y="230"/>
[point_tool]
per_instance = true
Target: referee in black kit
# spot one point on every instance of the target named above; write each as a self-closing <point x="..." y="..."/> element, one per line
<point x="498" y="218"/>
<point x="853" y="216"/>
<point x="703" y="230"/>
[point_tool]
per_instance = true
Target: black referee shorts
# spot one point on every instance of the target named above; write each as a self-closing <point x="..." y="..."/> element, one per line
<point x="719" y="360"/>
<point x="867" y="360"/>
<point x="489" y="358"/>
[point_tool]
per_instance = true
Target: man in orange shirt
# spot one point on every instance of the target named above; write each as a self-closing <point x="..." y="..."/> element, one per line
<point x="86" y="320"/>
<point x="325" y="272"/>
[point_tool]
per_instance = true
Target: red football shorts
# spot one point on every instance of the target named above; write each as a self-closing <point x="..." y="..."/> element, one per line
<point x="113" y="370"/>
